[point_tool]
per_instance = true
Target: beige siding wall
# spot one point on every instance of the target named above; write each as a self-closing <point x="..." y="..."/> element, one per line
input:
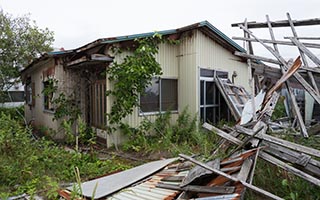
<point x="188" y="73"/>
<point x="214" y="56"/>
<point x="168" y="59"/>
<point x="37" y="113"/>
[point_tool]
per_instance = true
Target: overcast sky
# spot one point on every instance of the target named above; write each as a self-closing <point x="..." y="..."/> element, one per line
<point x="78" y="22"/>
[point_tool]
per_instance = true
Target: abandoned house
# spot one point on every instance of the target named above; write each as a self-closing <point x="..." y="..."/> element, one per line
<point x="192" y="73"/>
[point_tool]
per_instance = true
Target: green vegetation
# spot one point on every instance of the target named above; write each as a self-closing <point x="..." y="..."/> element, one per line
<point x="21" y="41"/>
<point x="281" y="183"/>
<point x="33" y="166"/>
<point x="170" y="136"/>
<point x="131" y="76"/>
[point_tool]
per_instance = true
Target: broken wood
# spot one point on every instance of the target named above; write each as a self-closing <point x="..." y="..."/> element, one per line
<point x="197" y="188"/>
<point x="282" y="23"/>
<point x="222" y="134"/>
<point x="289" y="43"/>
<point x="289" y="168"/>
<point x="252" y="187"/>
<point x="281" y="142"/>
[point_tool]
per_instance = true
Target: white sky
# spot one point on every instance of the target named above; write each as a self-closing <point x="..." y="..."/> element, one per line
<point x="78" y="22"/>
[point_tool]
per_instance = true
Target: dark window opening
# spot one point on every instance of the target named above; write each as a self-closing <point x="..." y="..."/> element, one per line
<point x="160" y="96"/>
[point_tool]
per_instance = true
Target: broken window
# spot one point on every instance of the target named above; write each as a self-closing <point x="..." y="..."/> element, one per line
<point x="29" y="91"/>
<point x="48" y="95"/>
<point x="160" y="96"/>
<point x="213" y="107"/>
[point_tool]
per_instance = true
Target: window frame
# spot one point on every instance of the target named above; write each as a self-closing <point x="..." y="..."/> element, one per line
<point x="160" y="111"/>
<point x="50" y="108"/>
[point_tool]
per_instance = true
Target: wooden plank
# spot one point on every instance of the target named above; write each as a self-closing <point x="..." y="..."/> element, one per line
<point x="197" y="188"/>
<point x="234" y="111"/>
<point x="280" y="42"/>
<point x="245" y="170"/>
<point x="254" y="57"/>
<point x="259" y="127"/>
<point x="282" y="23"/>
<point x="252" y="187"/>
<point x="294" y="154"/>
<point x="222" y="133"/>
<point x="281" y="142"/>
<point x="305" y="50"/>
<point x="251" y="79"/>
<point x="287" y="84"/>
<point x="304" y="59"/>
<point x="289" y="168"/>
<point x="299" y="78"/>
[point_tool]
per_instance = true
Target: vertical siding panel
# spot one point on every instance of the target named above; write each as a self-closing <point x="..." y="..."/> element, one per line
<point x="213" y="56"/>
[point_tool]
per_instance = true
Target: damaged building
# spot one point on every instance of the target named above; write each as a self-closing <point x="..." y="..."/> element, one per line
<point x="200" y="72"/>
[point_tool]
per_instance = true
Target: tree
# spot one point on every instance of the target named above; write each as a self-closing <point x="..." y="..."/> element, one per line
<point x="21" y="41"/>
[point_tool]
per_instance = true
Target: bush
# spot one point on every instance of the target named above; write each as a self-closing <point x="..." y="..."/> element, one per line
<point x="182" y="136"/>
<point x="15" y="113"/>
<point x="29" y="165"/>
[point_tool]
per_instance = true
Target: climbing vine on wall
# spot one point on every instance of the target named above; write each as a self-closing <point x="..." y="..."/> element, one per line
<point x="132" y="76"/>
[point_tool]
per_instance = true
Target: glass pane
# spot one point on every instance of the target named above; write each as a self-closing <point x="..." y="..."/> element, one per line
<point x="17" y="96"/>
<point x="169" y="94"/>
<point x="202" y="115"/>
<point x="209" y="93"/>
<point x="201" y="92"/>
<point x="206" y="72"/>
<point x="210" y="115"/>
<point x="149" y="100"/>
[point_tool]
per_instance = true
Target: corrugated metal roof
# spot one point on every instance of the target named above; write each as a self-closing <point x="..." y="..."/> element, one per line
<point x="173" y="31"/>
<point x="105" y="186"/>
<point x="147" y="190"/>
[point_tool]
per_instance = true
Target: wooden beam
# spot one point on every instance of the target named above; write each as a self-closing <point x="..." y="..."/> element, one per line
<point x="281" y="142"/>
<point x="289" y="168"/>
<point x="305" y="50"/>
<point x="289" y="43"/>
<point x="258" y="58"/>
<point x="304" y="59"/>
<point x="299" y="78"/>
<point x="222" y="134"/>
<point x="250" y="186"/>
<point x="282" y="23"/>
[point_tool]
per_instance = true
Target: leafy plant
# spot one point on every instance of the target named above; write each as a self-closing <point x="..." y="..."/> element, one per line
<point x="132" y="76"/>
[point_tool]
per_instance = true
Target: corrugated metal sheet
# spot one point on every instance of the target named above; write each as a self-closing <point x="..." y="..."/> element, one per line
<point x="105" y="186"/>
<point x="148" y="191"/>
<point x="188" y="73"/>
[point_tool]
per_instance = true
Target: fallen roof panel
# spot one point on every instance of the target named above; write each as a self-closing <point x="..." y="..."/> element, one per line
<point x="110" y="184"/>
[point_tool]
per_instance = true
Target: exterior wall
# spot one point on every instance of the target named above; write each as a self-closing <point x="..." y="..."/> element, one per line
<point x="37" y="115"/>
<point x="168" y="59"/>
<point x="214" y="56"/>
<point x="187" y="58"/>
<point x="211" y="55"/>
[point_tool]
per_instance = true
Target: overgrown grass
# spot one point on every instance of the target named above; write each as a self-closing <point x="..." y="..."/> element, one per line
<point x="181" y="136"/>
<point x="30" y="166"/>
<point x="281" y="183"/>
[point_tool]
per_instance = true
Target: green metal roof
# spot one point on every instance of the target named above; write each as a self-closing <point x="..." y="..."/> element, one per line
<point x="206" y="24"/>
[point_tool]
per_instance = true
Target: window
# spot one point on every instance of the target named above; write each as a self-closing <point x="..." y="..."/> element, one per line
<point x="213" y="107"/>
<point x="30" y="91"/>
<point x="160" y="96"/>
<point x="48" y="95"/>
<point x="98" y="104"/>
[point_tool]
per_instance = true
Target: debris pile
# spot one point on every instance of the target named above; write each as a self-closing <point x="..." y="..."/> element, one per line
<point x="228" y="178"/>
